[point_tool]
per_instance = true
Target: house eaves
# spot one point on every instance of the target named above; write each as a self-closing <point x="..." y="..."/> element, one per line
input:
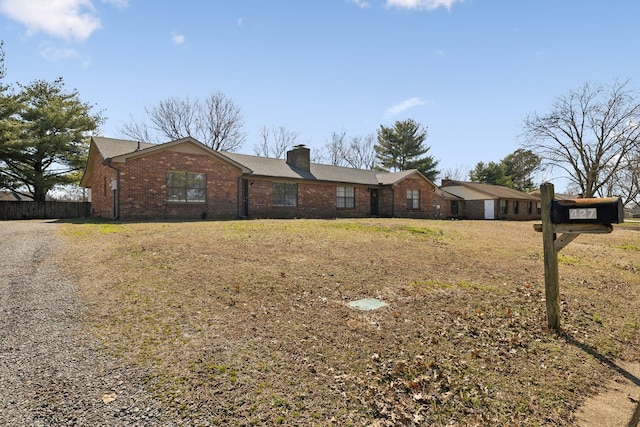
<point x="392" y="178"/>
<point x="114" y="151"/>
<point x="112" y="147"/>
<point x="107" y="148"/>
<point x="557" y="196"/>
<point x="174" y="146"/>
<point x="479" y="191"/>
<point x="446" y="195"/>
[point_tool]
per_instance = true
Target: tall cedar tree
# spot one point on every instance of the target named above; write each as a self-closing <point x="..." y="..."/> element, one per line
<point x="400" y="147"/>
<point x="490" y="173"/>
<point x="44" y="141"/>
<point x="515" y="170"/>
<point x="520" y="166"/>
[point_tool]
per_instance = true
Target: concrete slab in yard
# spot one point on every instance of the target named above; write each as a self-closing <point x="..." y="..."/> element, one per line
<point x="367" y="304"/>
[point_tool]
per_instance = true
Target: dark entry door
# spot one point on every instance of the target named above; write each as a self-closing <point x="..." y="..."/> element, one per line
<point x="374" y="201"/>
<point x="245" y="198"/>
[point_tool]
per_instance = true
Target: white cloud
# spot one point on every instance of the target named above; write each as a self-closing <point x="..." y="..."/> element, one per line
<point x="422" y="4"/>
<point x="177" y="39"/>
<point x="67" y="19"/>
<point x="362" y="4"/>
<point x="404" y="106"/>
<point x="120" y="4"/>
<point x="240" y="22"/>
<point x="53" y="53"/>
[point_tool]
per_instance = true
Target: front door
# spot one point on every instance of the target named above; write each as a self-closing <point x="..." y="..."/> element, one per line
<point x="374" y="201"/>
<point x="245" y="198"/>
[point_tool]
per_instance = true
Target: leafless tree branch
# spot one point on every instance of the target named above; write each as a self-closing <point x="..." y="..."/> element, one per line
<point x="217" y="123"/>
<point x="275" y="142"/>
<point x="591" y="133"/>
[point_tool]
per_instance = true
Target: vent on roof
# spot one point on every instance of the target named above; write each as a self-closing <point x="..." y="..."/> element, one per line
<point x="299" y="157"/>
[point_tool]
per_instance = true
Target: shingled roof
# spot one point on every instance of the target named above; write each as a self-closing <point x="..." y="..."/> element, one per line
<point x="279" y="168"/>
<point x="12" y="196"/>
<point x="493" y="191"/>
<point x="110" y="148"/>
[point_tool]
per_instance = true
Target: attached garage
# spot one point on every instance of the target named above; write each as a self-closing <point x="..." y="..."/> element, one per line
<point x="486" y="201"/>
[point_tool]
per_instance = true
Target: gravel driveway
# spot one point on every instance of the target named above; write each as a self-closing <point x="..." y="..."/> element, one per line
<point x="51" y="374"/>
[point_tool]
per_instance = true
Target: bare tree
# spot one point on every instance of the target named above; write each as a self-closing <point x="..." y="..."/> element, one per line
<point x="221" y="123"/>
<point x="175" y="118"/>
<point x="335" y="149"/>
<point x="457" y="173"/>
<point x="352" y="151"/>
<point x="217" y="123"/>
<point x="360" y="153"/>
<point x="275" y="142"/>
<point x="136" y="131"/>
<point x="625" y="183"/>
<point x="589" y="133"/>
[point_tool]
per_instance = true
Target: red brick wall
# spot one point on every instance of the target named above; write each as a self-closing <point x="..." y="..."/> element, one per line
<point x="143" y="183"/>
<point x="426" y="198"/>
<point x="522" y="214"/>
<point x="445" y="208"/>
<point x="314" y="201"/>
<point x="386" y="202"/>
<point x="101" y="193"/>
<point x="319" y="201"/>
<point x="474" y="209"/>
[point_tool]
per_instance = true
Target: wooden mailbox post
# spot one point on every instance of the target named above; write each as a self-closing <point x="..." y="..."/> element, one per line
<point x="571" y="218"/>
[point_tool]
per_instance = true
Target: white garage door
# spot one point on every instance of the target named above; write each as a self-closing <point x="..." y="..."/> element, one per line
<point x="489" y="209"/>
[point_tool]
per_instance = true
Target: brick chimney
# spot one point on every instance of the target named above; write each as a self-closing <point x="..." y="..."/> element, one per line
<point x="299" y="157"/>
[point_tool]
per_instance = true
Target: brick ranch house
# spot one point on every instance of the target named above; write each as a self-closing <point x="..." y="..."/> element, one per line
<point x="473" y="200"/>
<point x="185" y="179"/>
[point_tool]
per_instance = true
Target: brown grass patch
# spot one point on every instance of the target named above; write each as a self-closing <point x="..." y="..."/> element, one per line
<point x="247" y="321"/>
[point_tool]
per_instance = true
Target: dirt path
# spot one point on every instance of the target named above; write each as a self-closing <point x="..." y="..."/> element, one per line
<point x="618" y="405"/>
<point x="52" y="373"/>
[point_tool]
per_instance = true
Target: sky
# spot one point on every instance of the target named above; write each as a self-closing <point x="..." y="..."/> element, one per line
<point x="469" y="71"/>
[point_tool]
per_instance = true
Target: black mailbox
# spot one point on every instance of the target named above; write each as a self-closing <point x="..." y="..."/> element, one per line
<point x="607" y="210"/>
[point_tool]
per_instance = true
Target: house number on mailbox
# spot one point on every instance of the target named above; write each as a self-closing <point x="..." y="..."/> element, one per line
<point x="584" y="213"/>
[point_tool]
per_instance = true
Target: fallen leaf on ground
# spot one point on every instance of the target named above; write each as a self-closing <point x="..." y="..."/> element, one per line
<point x="108" y="397"/>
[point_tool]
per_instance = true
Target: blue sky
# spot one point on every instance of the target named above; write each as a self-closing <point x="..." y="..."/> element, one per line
<point x="468" y="70"/>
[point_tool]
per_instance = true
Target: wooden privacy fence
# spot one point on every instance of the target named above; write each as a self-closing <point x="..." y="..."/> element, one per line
<point x="44" y="210"/>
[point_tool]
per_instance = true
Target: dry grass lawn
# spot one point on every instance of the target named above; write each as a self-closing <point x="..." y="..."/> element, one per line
<point x="247" y="323"/>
